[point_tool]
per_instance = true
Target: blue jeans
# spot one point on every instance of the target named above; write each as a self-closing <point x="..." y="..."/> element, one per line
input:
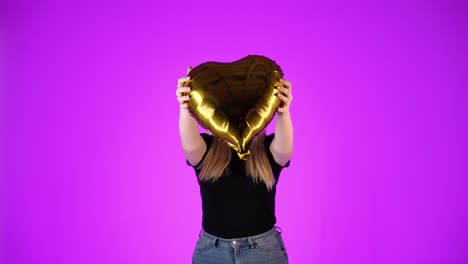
<point x="267" y="247"/>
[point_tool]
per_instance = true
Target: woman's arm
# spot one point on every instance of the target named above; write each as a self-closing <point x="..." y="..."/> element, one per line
<point x="193" y="144"/>
<point x="282" y="147"/>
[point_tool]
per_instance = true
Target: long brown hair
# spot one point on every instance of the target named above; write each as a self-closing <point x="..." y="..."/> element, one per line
<point x="219" y="155"/>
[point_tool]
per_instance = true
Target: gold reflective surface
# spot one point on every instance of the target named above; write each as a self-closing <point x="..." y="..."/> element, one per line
<point x="236" y="100"/>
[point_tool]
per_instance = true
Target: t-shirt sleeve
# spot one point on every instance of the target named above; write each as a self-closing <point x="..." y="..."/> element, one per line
<point x="267" y="143"/>
<point x="207" y="138"/>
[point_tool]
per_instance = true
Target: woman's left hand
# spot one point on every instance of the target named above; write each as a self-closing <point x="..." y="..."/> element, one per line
<point x="284" y="95"/>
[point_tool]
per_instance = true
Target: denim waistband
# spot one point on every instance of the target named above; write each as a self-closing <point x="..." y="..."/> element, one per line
<point x="241" y="241"/>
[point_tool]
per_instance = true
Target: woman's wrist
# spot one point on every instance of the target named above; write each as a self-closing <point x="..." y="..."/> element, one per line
<point x="284" y="114"/>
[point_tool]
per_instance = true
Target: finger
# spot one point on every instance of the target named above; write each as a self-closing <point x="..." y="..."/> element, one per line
<point x="183" y="79"/>
<point x="184" y="105"/>
<point x="180" y="81"/>
<point x="183" y="98"/>
<point x="281" y="86"/>
<point x="282" y="97"/>
<point x="278" y="87"/>
<point x="284" y="90"/>
<point x="183" y="83"/>
<point x="286" y="83"/>
<point x="182" y="90"/>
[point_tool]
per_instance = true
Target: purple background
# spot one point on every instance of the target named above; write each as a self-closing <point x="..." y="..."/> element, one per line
<point x="95" y="171"/>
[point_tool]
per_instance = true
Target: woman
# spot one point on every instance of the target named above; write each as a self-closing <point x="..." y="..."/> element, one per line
<point x="238" y="197"/>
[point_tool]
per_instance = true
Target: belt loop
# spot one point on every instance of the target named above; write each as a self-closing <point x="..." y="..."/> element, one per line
<point x="251" y="242"/>
<point x="280" y="231"/>
<point x="199" y="234"/>
<point x="215" y="242"/>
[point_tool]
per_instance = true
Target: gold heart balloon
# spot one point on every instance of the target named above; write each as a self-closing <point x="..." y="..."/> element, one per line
<point x="235" y="100"/>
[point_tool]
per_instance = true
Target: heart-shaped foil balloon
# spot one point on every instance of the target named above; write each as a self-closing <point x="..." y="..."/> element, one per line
<point x="235" y="100"/>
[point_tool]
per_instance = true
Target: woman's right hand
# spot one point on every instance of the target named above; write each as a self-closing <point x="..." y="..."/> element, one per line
<point x="183" y="92"/>
<point x="192" y="142"/>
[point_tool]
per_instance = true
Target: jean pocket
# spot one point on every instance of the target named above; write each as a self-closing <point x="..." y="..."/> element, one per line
<point x="204" y="244"/>
<point x="268" y="244"/>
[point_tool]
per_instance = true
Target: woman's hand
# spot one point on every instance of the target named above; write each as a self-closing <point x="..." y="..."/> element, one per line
<point x="285" y="95"/>
<point x="183" y="92"/>
<point x="282" y="147"/>
<point x="192" y="142"/>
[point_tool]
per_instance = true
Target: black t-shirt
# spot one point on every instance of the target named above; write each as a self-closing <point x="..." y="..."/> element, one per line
<point x="234" y="206"/>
